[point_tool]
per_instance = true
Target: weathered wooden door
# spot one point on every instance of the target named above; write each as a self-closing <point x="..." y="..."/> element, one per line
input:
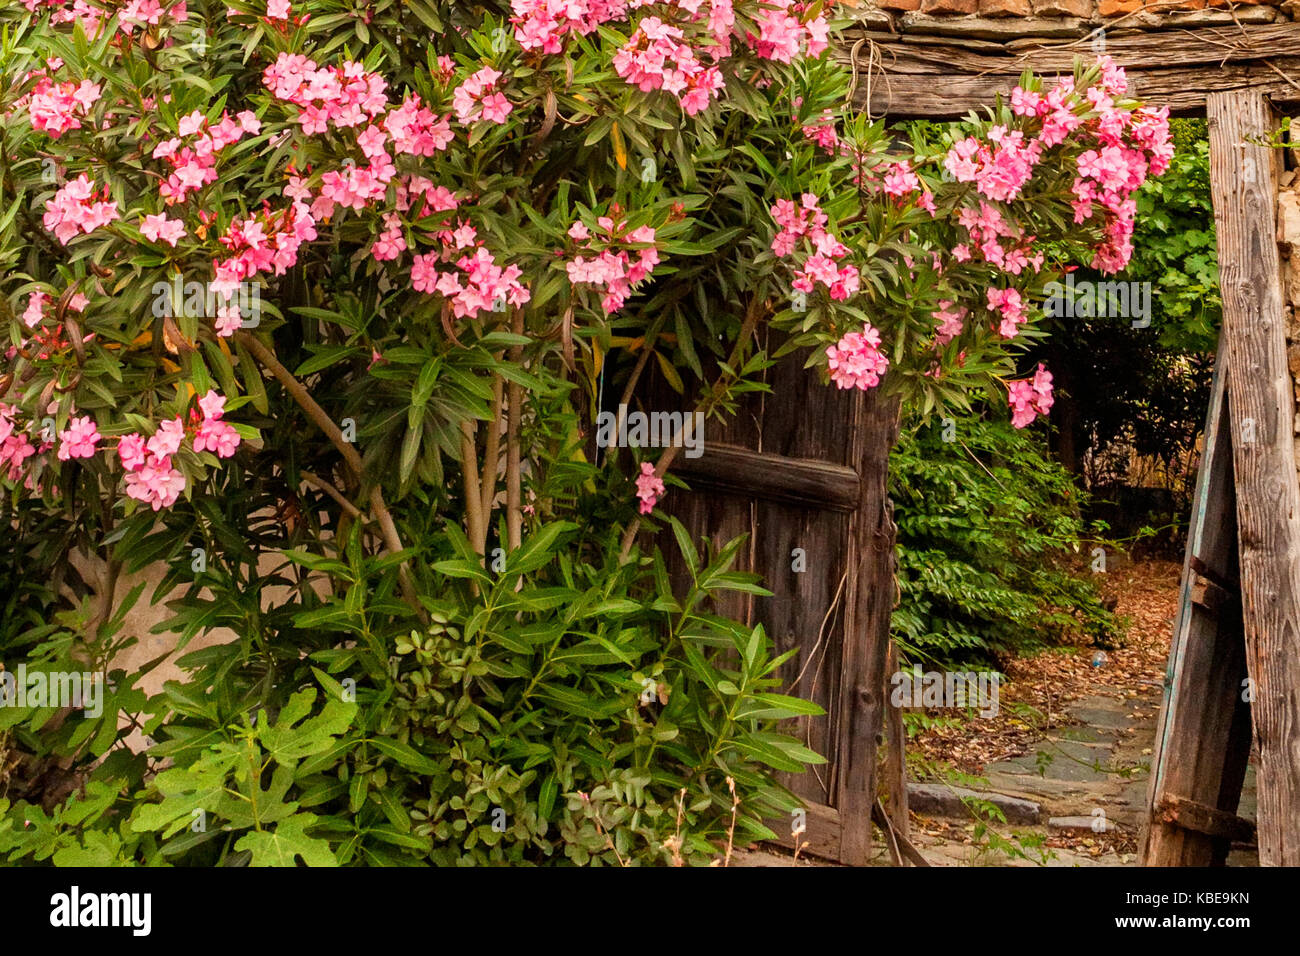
<point x="803" y="471"/>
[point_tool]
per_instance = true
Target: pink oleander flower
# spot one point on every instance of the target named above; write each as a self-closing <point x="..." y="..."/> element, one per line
<point x="950" y="321"/>
<point x="856" y="360"/>
<point x="72" y="210"/>
<point x="55" y="109"/>
<point x="278" y="9"/>
<point x="131" y="449"/>
<point x="159" y="227"/>
<point x="166" y="441"/>
<point x="1030" y="398"/>
<point x="212" y="405"/>
<point x="649" y="487"/>
<point x="79" y="439"/>
<point x="228" y="321"/>
<point x="217" y="437"/>
<point x="1009" y="305"/>
<point x="156" y="483"/>
<point x="477" y="98"/>
<point x="35" y="310"/>
<point x="618" y="271"/>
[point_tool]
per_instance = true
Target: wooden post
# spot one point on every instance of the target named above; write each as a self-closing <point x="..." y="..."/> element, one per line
<point x="869" y="603"/>
<point x="1243" y="179"/>
<point x="1203" y="735"/>
<point x="893" y="763"/>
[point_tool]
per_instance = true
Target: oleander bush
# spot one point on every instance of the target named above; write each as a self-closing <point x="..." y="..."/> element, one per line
<point x="310" y="305"/>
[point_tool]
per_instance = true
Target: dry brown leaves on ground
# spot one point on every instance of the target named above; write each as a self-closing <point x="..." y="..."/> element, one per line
<point x="1037" y="691"/>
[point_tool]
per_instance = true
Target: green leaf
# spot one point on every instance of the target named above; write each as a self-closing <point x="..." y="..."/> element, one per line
<point x="288" y="843"/>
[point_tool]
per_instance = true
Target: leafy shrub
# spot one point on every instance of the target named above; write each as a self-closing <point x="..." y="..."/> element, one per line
<point x="989" y="535"/>
<point x="540" y="714"/>
<point x="378" y="485"/>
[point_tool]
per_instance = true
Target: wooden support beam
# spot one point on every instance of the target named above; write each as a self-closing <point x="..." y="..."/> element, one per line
<point x="1203" y="733"/>
<point x="1244" y="186"/>
<point x="869" y="604"/>
<point x="800" y="481"/>
<point x="821" y="836"/>
<point x="1190" y="815"/>
<point x="913" y="75"/>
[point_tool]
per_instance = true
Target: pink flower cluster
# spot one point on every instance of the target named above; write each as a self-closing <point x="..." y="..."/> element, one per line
<point x="15" y="447"/>
<point x="151" y="477"/>
<point x="416" y="130"/>
<point x="856" y="360"/>
<point x="79" y="439"/>
<point x="342" y="96"/>
<point x="147" y="13"/>
<point x="160" y="228"/>
<point x="90" y="17"/>
<point x="950" y="321"/>
<point x="807" y="220"/>
<point x="56" y="108"/>
<point x="1000" y="171"/>
<point x="268" y="240"/>
<point x="1030" y="398"/>
<point x="823" y="132"/>
<point x="34" y="314"/>
<point x="649" y="487"/>
<point x="781" y="32"/>
<point x="78" y="207"/>
<point x="618" y="270"/>
<point x="1124" y="148"/>
<point x="544" y="24"/>
<point x="1010" y="306"/>
<point x="478" y="98"/>
<point x="481" y="285"/>
<point x="353" y="187"/>
<point x="194" y="164"/>
<point x="987" y="227"/>
<point x="1056" y="109"/>
<point x="391" y="241"/>
<point x="657" y="58"/>
<point x="420" y="194"/>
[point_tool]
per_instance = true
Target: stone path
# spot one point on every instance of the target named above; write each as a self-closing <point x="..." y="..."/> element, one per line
<point x="1094" y="771"/>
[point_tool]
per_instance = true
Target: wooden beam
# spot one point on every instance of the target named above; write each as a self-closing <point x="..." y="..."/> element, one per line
<point x="821" y="838"/>
<point x="1244" y="186"/>
<point x="898" y="74"/>
<point x="1190" y="815"/>
<point x="800" y="481"/>
<point x="869" y="604"/>
<point x="1203" y="733"/>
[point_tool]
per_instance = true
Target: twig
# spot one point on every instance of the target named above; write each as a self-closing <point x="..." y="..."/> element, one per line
<point x="316" y="481"/>
<point x="491" y="453"/>
<point x="514" y="414"/>
<point x="378" y="508"/>
<point x="474" y="526"/>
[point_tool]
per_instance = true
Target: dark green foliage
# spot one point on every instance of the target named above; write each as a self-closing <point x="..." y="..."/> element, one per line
<point x="989" y="539"/>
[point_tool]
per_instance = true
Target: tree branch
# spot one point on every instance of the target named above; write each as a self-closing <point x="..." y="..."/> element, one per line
<point x="378" y="508"/>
